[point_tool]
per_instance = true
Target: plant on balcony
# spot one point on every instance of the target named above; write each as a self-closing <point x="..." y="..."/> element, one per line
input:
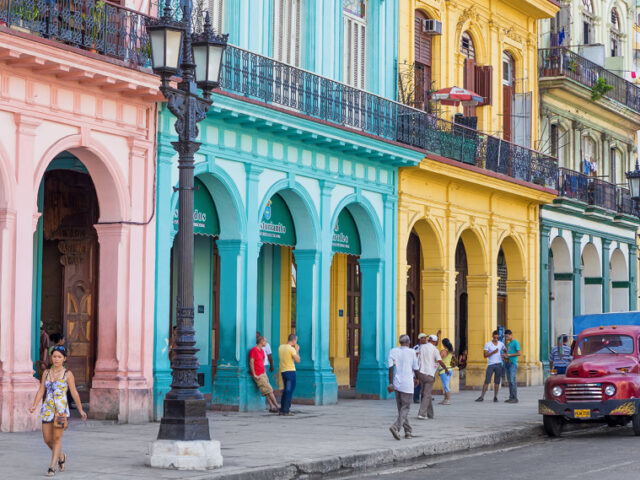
<point x="98" y="16"/>
<point x="27" y="12"/>
<point x="600" y="89"/>
<point x="573" y="66"/>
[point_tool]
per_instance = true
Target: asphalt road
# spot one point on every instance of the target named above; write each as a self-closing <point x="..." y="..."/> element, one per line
<point x="604" y="453"/>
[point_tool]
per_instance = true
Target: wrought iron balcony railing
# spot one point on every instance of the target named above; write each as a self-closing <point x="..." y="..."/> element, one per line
<point x="594" y="191"/>
<point x="93" y="25"/>
<point x="562" y="62"/>
<point x="264" y="79"/>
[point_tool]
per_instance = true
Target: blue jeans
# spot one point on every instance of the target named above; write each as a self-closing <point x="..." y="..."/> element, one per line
<point x="446" y="380"/>
<point x="416" y="394"/>
<point x="289" y="384"/>
<point x="512" y="370"/>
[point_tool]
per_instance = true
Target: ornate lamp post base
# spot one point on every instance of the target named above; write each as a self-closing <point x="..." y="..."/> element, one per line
<point x="184" y="419"/>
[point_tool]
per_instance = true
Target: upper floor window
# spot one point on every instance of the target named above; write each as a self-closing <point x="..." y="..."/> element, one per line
<point x="216" y="14"/>
<point x="508" y="69"/>
<point x="615" y="33"/>
<point x="587" y="22"/>
<point x="286" y="31"/>
<point x="466" y="46"/>
<point x="354" y="42"/>
<point x="422" y="55"/>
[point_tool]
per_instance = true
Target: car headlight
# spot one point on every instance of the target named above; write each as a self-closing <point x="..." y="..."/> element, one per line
<point x="610" y="390"/>
<point x="556" y="391"/>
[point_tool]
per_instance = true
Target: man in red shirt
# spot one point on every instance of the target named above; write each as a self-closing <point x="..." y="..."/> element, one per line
<point x="256" y="364"/>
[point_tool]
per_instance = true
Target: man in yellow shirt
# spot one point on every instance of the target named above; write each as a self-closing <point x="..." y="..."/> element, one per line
<point x="288" y="353"/>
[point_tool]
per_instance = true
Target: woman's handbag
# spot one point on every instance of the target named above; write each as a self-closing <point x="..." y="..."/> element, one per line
<point x="60" y="420"/>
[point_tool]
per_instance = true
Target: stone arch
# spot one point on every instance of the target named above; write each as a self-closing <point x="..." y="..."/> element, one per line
<point x="591" y="280"/>
<point x="303" y="212"/>
<point x="476" y="34"/>
<point x="619" y="277"/>
<point x="110" y="184"/>
<point x="431" y="245"/>
<point x="514" y="256"/>
<point x="561" y="288"/>
<point x="476" y="251"/>
<point x="363" y="213"/>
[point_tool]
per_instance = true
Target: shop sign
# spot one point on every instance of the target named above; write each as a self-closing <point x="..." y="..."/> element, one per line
<point x="346" y="238"/>
<point x="205" y="216"/>
<point x="276" y="226"/>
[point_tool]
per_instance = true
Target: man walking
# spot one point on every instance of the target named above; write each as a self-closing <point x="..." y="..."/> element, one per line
<point x="560" y="358"/>
<point x="256" y="365"/>
<point x="492" y="351"/>
<point x="289" y="354"/>
<point x="511" y="361"/>
<point x="422" y="339"/>
<point x="428" y="360"/>
<point x="403" y="364"/>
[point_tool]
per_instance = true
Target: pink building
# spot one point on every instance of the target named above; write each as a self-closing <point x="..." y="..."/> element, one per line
<point x="77" y="201"/>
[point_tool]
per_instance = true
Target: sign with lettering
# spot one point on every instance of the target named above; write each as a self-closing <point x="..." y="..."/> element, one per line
<point x="205" y="216"/>
<point x="276" y="226"/>
<point x="346" y="238"/>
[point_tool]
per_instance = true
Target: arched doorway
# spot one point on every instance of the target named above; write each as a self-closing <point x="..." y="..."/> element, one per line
<point x="512" y="292"/>
<point x="501" y="308"/>
<point x="414" y="266"/>
<point x="66" y="264"/>
<point x="206" y="283"/>
<point x="560" y="290"/>
<point x="461" y="297"/>
<point x="346" y="295"/>
<point x="619" y="291"/>
<point x="591" y="280"/>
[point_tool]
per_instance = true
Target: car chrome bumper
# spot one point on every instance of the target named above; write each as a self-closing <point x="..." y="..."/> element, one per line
<point x="589" y="410"/>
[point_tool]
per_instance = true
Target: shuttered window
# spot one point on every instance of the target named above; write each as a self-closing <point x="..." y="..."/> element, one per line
<point x="484" y="83"/>
<point x="421" y="41"/>
<point x="354" y="45"/>
<point x="286" y="31"/>
<point x="216" y="14"/>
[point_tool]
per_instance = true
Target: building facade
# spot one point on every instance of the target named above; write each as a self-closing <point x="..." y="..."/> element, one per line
<point x="468" y="214"/>
<point x="77" y="221"/>
<point x="589" y="117"/>
<point x="297" y="202"/>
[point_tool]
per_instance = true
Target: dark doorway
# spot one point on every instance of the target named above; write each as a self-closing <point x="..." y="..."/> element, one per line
<point x="353" y="317"/>
<point x="461" y="298"/>
<point x="502" y="290"/>
<point x="70" y="269"/>
<point x="413" y="287"/>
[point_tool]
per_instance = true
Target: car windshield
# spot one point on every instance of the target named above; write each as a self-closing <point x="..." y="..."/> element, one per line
<point x="605" y="344"/>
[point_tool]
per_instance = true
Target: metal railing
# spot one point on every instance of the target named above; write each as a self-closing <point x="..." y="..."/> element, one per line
<point x="560" y="61"/>
<point x="594" y="191"/>
<point x="264" y="79"/>
<point x="93" y="25"/>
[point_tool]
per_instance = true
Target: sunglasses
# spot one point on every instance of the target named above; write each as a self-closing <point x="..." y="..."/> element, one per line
<point x="60" y="349"/>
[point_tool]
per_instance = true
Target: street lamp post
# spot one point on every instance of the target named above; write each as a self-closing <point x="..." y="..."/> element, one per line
<point x="184" y="416"/>
<point x="634" y="187"/>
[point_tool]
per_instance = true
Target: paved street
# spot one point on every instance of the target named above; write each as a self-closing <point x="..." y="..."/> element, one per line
<point x="350" y="434"/>
<point x="606" y="453"/>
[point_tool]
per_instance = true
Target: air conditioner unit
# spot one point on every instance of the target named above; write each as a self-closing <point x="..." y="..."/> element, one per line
<point x="432" y="27"/>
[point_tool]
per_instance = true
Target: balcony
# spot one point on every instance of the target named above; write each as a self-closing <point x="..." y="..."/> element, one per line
<point x="92" y="25"/>
<point x="266" y="80"/>
<point x="594" y="191"/>
<point x="562" y="62"/>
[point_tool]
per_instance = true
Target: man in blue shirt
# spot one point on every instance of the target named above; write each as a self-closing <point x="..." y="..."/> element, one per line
<point x="559" y="359"/>
<point x="511" y="361"/>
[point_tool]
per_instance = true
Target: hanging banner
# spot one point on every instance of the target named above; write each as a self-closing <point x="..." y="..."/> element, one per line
<point x="346" y="238"/>
<point x="205" y="216"/>
<point x="276" y="226"/>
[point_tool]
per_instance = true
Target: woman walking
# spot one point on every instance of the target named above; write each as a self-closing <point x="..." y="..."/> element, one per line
<point x="53" y="387"/>
<point x="447" y="353"/>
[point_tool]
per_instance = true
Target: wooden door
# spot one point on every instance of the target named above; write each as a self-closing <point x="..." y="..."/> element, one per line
<point x="70" y="211"/>
<point x="413" y="288"/>
<point x="353" y="317"/>
<point x="422" y="67"/>
<point x="507" y="107"/>
<point x="502" y="311"/>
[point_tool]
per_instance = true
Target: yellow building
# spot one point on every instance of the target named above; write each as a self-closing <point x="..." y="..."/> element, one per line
<point x="468" y="235"/>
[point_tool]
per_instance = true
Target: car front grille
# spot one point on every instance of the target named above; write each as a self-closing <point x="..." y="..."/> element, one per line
<point x="585" y="392"/>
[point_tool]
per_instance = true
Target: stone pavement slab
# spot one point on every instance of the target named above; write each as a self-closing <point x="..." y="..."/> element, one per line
<point x="350" y="435"/>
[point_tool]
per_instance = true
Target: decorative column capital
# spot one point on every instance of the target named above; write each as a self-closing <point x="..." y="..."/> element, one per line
<point x="108" y="232"/>
<point x="231" y="247"/>
<point x="307" y="257"/>
<point x="578" y="125"/>
<point x="368" y="264"/>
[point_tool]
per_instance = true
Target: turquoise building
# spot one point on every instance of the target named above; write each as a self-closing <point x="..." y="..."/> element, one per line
<point x="296" y="207"/>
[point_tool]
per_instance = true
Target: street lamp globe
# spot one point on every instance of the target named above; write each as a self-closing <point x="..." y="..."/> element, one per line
<point x="208" y="48"/>
<point x="165" y="35"/>
<point x="634" y="182"/>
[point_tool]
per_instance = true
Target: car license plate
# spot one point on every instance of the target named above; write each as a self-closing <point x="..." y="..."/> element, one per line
<point x="582" y="413"/>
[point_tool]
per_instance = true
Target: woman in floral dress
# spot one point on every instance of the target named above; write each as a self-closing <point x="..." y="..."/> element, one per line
<point x="53" y="386"/>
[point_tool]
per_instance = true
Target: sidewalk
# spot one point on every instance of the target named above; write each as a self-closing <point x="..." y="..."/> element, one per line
<point x="259" y="445"/>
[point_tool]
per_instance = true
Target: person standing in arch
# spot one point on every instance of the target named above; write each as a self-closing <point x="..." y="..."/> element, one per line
<point x="491" y="352"/>
<point x="289" y="354"/>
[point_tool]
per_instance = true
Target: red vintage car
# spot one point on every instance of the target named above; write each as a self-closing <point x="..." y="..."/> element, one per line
<point x="601" y="384"/>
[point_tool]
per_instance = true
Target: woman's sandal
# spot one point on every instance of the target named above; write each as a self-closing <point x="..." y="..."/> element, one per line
<point x="51" y="472"/>
<point x="61" y="463"/>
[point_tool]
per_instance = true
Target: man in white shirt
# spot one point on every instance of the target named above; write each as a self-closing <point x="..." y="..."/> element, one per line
<point x="403" y="365"/>
<point x="428" y="360"/>
<point x="493" y="353"/>
<point x="268" y="358"/>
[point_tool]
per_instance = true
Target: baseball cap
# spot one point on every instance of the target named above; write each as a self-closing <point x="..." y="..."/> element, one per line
<point x="433" y="338"/>
<point x="422" y="335"/>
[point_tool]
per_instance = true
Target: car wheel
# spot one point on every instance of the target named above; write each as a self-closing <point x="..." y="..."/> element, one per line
<point x="635" y="422"/>
<point x="552" y="425"/>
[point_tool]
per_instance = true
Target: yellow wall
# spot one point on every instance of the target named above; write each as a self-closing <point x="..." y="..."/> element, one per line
<point x="442" y="203"/>
<point x="338" y="324"/>
<point x="495" y="26"/>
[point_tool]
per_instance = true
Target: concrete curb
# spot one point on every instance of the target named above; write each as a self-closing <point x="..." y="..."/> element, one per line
<point x="406" y="450"/>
